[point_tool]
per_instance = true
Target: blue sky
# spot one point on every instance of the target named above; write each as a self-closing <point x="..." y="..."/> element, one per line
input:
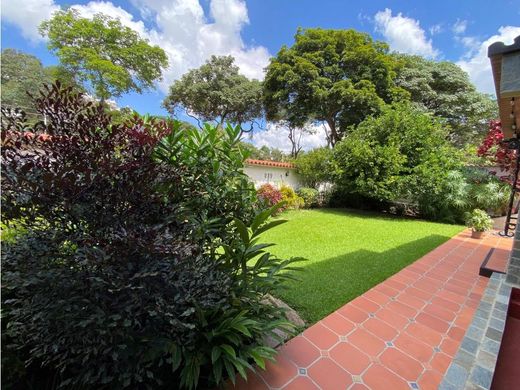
<point x="252" y="31"/>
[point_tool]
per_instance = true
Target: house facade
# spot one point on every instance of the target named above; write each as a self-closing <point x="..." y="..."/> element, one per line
<point x="272" y="172"/>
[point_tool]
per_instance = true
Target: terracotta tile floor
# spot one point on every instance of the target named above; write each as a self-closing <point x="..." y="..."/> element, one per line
<point x="401" y="334"/>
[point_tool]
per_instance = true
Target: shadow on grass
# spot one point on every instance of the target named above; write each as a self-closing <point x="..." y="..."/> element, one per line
<point x="325" y="286"/>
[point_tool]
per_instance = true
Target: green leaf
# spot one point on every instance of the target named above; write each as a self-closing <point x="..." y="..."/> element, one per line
<point x="242" y="230"/>
<point x="229" y="350"/>
<point x="176" y="356"/>
<point x="215" y="354"/>
<point x="268" y="226"/>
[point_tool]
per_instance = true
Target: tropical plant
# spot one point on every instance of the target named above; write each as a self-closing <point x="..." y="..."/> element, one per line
<point x="479" y="221"/>
<point x="126" y="281"/>
<point x="496" y="151"/>
<point x="310" y="196"/>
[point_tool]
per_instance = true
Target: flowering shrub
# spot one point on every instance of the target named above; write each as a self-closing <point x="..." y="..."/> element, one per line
<point x="268" y="195"/>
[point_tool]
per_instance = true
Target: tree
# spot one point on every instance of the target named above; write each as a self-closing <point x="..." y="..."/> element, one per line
<point x="23" y="73"/>
<point x="338" y="77"/>
<point x="315" y="167"/>
<point x="263" y="153"/>
<point x="217" y="92"/>
<point x="110" y="58"/>
<point x="444" y="89"/>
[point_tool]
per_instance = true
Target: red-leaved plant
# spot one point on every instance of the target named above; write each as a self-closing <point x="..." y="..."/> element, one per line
<point x="495" y="149"/>
<point x="268" y="195"/>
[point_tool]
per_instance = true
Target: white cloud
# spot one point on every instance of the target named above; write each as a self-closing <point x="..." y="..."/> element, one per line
<point x="459" y="27"/>
<point x="404" y="34"/>
<point x="276" y="136"/>
<point x="435" y="29"/>
<point x="188" y="36"/>
<point x="28" y="15"/>
<point x="477" y="64"/>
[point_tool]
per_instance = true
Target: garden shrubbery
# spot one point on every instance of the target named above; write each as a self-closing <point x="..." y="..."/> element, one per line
<point x="310" y="196"/>
<point x="134" y="266"/>
<point x="268" y="195"/>
<point x="403" y="157"/>
<point x="290" y="198"/>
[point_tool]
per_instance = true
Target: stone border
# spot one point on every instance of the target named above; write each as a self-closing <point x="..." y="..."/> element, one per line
<point x="474" y="364"/>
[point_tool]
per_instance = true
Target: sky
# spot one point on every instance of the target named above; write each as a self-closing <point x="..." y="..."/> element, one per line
<point x="190" y="31"/>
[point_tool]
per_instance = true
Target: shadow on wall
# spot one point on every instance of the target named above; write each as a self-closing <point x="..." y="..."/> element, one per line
<point x="325" y="286"/>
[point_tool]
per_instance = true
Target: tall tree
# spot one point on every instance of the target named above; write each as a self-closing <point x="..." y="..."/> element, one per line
<point x="445" y="89"/>
<point x="110" y="58"/>
<point x="338" y="77"/>
<point x="216" y="91"/>
<point x="23" y="73"/>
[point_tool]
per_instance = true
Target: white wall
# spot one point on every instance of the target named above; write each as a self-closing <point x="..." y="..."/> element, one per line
<point x="276" y="176"/>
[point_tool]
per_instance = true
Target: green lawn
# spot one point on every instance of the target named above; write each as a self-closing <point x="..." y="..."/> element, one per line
<point x="348" y="252"/>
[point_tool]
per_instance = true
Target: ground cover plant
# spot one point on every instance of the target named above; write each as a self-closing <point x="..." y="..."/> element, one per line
<point x="347" y="253"/>
<point x="133" y="263"/>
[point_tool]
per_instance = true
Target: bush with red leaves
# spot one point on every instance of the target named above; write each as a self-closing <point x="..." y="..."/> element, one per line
<point x="268" y="195"/>
<point x="494" y="148"/>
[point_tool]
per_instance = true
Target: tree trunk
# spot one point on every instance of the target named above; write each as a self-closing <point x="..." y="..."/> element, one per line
<point x="333" y="132"/>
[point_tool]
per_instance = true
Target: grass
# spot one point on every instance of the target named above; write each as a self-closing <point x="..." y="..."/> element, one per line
<point x="348" y="253"/>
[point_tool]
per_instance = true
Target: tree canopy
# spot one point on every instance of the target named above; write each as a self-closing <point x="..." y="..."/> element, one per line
<point x="22" y="73"/>
<point x="263" y="153"/>
<point x="445" y="89"/>
<point x="334" y="76"/>
<point x="110" y="58"/>
<point x="216" y="91"/>
<point x="315" y="167"/>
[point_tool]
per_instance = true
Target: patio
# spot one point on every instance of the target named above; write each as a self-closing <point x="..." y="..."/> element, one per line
<point x="402" y="334"/>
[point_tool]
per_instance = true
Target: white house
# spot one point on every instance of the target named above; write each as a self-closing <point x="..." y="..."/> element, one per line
<point x="272" y="172"/>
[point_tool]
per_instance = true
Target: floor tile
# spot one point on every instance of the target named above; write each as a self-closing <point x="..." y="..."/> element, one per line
<point x="328" y="375"/>
<point x="350" y="358"/>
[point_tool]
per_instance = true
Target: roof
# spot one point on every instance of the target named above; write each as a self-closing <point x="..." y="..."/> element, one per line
<point x="501" y="48"/>
<point x="268" y="163"/>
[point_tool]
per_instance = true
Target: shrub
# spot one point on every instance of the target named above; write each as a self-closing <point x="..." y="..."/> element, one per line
<point x="309" y="196"/>
<point x="399" y="154"/>
<point x="289" y="197"/>
<point x="479" y="220"/>
<point x="135" y="266"/>
<point x="402" y="155"/>
<point x="268" y="195"/>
